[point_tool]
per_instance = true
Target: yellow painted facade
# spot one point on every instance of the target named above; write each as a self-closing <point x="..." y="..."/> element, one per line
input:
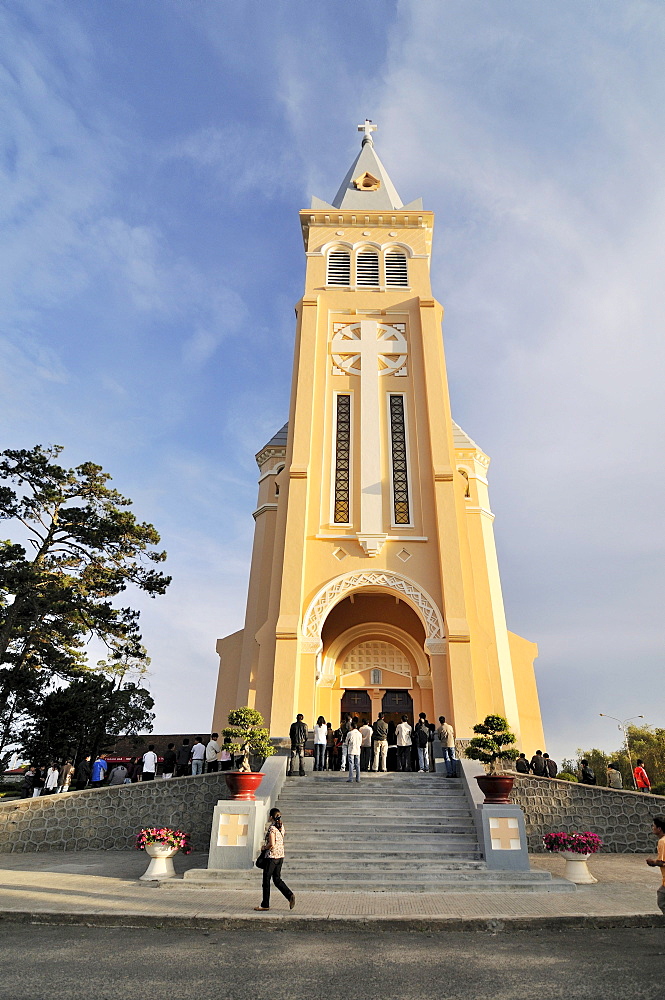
<point x="396" y="604"/>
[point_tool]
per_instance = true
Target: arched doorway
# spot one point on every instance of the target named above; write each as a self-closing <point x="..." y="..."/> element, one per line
<point x="395" y="704"/>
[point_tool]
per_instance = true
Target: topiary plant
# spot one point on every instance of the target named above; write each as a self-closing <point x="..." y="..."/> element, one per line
<point x="567" y="776"/>
<point x="494" y="742"/>
<point x="246" y="730"/>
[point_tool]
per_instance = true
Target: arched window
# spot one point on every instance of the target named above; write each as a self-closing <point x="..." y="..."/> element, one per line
<point x="396" y="269"/>
<point x="367" y="268"/>
<point x="339" y="268"/>
<point x="277" y="472"/>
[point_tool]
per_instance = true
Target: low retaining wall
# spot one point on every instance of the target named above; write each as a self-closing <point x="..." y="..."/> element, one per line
<point x="623" y="819"/>
<point x="109" y="818"/>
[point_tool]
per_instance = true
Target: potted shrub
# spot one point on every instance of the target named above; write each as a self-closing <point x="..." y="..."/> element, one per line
<point x="248" y="735"/>
<point x="161" y="843"/>
<point x="493" y="742"/>
<point x="576" y="848"/>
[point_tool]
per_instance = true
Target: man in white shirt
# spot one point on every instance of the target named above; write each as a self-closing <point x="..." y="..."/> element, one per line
<point x="446" y="734"/>
<point x="366" y="748"/>
<point x="354" y="743"/>
<point x="198" y="756"/>
<point x="149" y="763"/>
<point x="213" y="751"/>
<point x="404" y="744"/>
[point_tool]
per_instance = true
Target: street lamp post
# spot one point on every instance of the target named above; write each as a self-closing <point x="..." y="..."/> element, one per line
<point x="623" y="726"/>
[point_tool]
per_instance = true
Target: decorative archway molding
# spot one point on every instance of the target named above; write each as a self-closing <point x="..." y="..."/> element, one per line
<point x="383" y="581"/>
<point x="331" y="662"/>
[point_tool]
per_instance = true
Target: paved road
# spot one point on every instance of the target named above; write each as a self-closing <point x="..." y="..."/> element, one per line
<point x="77" y="963"/>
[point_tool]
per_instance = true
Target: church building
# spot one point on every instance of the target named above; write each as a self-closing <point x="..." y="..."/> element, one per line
<point x="374" y="581"/>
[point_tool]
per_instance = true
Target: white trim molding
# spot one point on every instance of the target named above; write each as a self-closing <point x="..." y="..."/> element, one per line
<point x="337" y="589"/>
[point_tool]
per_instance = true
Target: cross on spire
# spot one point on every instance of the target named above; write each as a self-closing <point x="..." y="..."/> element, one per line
<point x="368" y="128"/>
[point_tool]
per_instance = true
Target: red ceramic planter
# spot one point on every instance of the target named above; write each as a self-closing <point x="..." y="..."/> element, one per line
<point x="243" y="784"/>
<point x="496" y="788"/>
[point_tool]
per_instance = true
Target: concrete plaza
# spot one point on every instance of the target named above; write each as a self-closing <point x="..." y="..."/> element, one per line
<point x="102" y="887"/>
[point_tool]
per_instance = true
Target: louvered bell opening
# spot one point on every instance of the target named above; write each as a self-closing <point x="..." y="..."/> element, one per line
<point x="339" y="268"/>
<point x="396" y="272"/>
<point x="367" y="269"/>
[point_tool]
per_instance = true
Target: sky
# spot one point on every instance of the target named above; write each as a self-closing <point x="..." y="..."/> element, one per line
<point x="155" y="154"/>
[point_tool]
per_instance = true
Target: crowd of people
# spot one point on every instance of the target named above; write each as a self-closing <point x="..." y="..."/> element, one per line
<point x="541" y="765"/>
<point x="188" y="759"/>
<point x="356" y="745"/>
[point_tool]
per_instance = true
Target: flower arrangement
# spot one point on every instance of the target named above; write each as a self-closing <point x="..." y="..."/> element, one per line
<point x="163" y="835"/>
<point x="578" y="843"/>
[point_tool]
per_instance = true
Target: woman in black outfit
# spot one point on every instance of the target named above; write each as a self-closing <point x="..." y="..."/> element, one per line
<point x="273" y="870"/>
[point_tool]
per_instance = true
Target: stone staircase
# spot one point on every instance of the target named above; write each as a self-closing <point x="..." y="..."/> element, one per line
<point x="391" y="832"/>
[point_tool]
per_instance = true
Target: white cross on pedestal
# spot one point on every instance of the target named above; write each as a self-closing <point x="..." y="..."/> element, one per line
<point x="370" y="349"/>
<point x="368" y="128"/>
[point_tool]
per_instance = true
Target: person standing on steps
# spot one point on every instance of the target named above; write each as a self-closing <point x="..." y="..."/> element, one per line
<point x="298" y="736"/>
<point x="430" y="748"/>
<point x="404" y="744"/>
<point x="380" y="729"/>
<point x="274" y="842"/>
<point x="354" y="742"/>
<point x="366" y="748"/>
<point x="330" y="747"/>
<point x="421" y="735"/>
<point x="551" y="766"/>
<point x="320" y="735"/>
<point x="345" y="729"/>
<point x="446" y="735"/>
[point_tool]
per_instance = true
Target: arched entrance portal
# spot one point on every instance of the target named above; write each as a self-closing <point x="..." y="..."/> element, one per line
<point x="373" y="646"/>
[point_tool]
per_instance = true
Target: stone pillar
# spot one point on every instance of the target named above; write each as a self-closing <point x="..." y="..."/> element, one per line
<point x="237" y="833"/>
<point x="376" y="697"/>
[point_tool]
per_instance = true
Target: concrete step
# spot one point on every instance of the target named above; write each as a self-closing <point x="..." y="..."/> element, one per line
<point x="343" y="852"/>
<point x="428" y="783"/>
<point x="392" y="819"/>
<point x="346" y="867"/>
<point x="356" y="794"/>
<point x="468" y="881"/>
<point x="373" y="786"/>
<point x="299" y="838"/>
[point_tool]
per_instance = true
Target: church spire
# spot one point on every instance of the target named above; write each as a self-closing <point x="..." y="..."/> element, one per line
<point x="367" y="184"/>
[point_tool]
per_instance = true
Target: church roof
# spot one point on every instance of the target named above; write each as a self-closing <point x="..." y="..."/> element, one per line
<point x="461" y="439"/>
<point x="276" y="444"/>
<point x="367" y="184"/>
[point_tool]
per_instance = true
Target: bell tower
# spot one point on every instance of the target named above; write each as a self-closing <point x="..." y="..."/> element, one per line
<point x="374" y="577"/>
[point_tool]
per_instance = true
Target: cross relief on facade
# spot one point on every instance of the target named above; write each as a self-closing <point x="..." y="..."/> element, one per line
<point x="232" y="830"/>
<point x="505" y="833"/>
<point x="370" y="349"/>
<point x="367" y="347"/>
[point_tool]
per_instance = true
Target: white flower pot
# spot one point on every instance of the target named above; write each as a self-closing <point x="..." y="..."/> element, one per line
<point x="576" y="868"/>
<point x="161" y="865"/>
